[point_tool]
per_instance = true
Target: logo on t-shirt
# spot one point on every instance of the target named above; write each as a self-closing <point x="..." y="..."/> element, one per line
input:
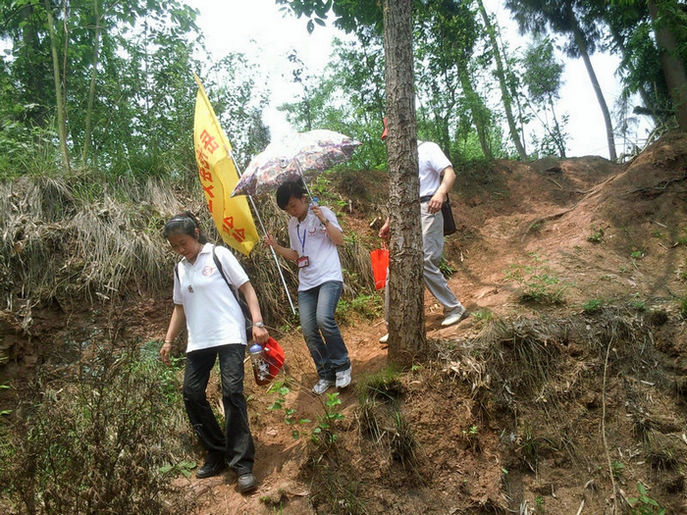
<point x="208" y="270"/>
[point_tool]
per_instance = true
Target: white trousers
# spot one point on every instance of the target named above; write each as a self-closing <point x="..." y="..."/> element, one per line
<point x="433" y="247"/>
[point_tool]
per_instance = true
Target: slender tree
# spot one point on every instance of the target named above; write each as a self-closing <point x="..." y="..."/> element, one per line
<point x="61" y="109"/>
<point x="561" y="17"/>
<point x="447" y="36"/>
<point x="91" y="89"/>
<point x="542" y="80"/>
<point x="662" y="14"/>
<point x="406" y="287"/>
<point x="501" y="75"/>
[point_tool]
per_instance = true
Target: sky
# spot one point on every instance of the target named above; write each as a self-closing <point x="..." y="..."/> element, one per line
<point x="258" y="29"/>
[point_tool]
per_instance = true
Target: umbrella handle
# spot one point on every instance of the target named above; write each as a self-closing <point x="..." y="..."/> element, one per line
<point x="298" y="167"/>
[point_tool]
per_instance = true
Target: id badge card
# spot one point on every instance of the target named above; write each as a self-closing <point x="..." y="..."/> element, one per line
<point x="303" y="261"/>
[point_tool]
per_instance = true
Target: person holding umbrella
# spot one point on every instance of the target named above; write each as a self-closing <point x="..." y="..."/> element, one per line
<point x="206" y="304"/>
<point x="314" y="234"/>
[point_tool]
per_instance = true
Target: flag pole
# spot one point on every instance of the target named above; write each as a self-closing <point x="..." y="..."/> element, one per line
<point x="274" y="254"/>
<point x="227" y="147"/>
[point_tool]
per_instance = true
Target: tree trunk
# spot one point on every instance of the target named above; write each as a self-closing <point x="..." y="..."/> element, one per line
<point x="673" y="66"/>
<point x="61" y="112"/>
<point x="91" y="89"/>
<point x="556" y="134"/>
<point x="406" y="286"/>
<point x="501" y="75"/>
<point x="582" y="46"/>
<point x="477" y="110"/>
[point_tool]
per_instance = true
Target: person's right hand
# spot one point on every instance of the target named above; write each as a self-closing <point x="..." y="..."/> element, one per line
<point x="384" y="231"/>
<point x="164" y="353"/>
<point x="269" y="240"/>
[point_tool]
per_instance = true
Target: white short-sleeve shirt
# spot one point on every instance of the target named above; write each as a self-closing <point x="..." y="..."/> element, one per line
<point x="431" y="162"/>
<point x="309" y="238"/>
<point x="213" y="315"/>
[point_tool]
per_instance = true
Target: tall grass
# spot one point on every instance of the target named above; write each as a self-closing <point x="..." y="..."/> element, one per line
<point x="90" y="238"/>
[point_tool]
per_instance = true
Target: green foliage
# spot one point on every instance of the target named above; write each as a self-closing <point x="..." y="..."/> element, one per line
<point x="483" y="315"/>
<point x="383" y="385"/>
<point x="183" y="467"/>
<point x="97" y="439"/>
<point x="370" y="306"/>
<point x="617" y="468"/>
<point x="281" y="390"/>
<point x="126" y="68"/>
<point x="596" y="236"/>
<point x="637" y="254"/>
<point x="321" y="187"/>
<point x="537" y="282"/>
<point x="446" y="269"/>
<point x="683" y="306"/>
<point x="323" y="432"/>
<point x="592" y="306"/>
<point x="542" y="80"/>
<point x="644" y="504"/>
<point x="638" y="304"/>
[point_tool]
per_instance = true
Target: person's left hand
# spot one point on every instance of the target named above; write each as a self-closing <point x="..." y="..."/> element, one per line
<point x="435" y="202"/>
<point x="260" y="334"/>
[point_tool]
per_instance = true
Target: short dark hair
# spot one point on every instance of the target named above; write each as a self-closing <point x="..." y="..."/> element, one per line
<point x="288" y="190"/>
<point x="184" y="223"/>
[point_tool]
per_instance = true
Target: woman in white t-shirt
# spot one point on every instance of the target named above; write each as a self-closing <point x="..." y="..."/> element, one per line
<point x="216" y="328"/>
<point x="314" y="234"/>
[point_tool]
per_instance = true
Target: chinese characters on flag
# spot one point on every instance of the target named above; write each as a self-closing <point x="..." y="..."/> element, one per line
<point x="218" y="176"/>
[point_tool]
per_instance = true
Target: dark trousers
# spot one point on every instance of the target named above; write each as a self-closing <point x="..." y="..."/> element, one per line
<point x="235" y="444"/>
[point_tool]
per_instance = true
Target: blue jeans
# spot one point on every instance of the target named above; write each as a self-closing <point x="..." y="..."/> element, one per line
<point x="235" y="444"/>
<point x="321" y="333"/>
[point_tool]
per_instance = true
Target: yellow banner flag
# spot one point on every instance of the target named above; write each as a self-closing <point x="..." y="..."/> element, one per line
<point x="218" y="176"/>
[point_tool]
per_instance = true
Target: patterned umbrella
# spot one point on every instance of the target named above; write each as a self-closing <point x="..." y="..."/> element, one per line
<point x="290" y="159"/>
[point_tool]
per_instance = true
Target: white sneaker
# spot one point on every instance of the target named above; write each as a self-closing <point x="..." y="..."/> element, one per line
<point x="455" y="317"/>
<point x="384" y="338"/>
<point x="343" y="378"/>
<point x="322" y="386"/>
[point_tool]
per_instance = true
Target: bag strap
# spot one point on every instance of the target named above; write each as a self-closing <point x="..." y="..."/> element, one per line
<point x="242" y="303"/>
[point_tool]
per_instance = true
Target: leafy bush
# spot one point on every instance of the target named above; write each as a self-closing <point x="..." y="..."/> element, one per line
<point x="95" y="442"/>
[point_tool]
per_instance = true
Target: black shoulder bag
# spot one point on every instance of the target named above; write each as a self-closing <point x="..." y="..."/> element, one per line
<point x="449" y="222"/>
